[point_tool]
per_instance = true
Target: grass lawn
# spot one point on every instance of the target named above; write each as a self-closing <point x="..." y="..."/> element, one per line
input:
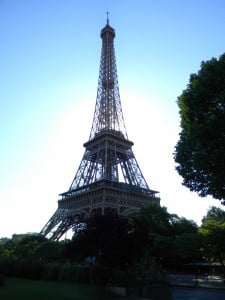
<point x="23" y="289"/>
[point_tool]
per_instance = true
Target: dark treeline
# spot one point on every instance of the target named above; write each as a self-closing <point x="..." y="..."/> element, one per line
<point x="119" y="250"/>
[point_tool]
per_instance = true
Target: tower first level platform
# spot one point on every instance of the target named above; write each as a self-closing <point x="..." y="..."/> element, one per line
<point x="102" y="197"/>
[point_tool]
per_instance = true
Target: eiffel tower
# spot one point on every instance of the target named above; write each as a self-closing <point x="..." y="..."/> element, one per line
<point x="108" y="178"/>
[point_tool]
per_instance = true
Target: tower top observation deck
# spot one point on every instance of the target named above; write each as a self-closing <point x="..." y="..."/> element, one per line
<point x="108" y="29"/>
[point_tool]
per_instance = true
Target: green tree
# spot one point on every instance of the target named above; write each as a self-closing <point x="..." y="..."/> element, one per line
<point x="25" y="255"/>
<point x="213" y="232"/>
<point x="187" y="241"/>
<point x="105" y="238"/>
<point x="182" y="225"/>
<point x="152" y="232"/>
<point x="33" y="247"/>
<point x="200" y="151"/>
<point x="30" y="247"/>
<point x="153" y="219"/>
<point x="6" y="250"/>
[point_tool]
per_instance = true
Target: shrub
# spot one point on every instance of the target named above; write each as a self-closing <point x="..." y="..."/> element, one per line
<point x="51" y="271"/>
<point x="29" y="269"/>
<point x="68" y="272"/>
<point x="84" y="274"/>
<point x="125" y="277"/>
<point x="101" y="275"/>
<point x="7" y="266"/>
<point x="148" y="270"/>
<point x="2" y="280"/>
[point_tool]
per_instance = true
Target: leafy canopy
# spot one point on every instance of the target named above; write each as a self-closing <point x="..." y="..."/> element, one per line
<point x="200" y="151"/>
<point x="213" y="232"/>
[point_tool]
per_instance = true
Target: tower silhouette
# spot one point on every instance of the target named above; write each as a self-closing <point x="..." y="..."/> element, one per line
<point x="108" y="178"/>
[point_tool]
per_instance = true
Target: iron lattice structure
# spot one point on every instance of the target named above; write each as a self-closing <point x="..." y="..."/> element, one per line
<point x="108" y="178"/>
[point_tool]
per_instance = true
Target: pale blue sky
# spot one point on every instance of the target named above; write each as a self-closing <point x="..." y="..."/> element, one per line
<point x="49" y="62"/>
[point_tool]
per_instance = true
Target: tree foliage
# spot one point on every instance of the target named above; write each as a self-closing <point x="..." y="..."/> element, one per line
<point x="146" y="242"/>
<point x="200" y="151"/>
<point x="166" y="231"/>
<point x="213" y="232"/>
<point x="152" y="233"/>
<point x="105" y="238"/>
<point x="152" y="230"/>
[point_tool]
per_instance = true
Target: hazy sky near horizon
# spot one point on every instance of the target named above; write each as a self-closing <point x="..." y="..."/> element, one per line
<point x="49" y="63"/>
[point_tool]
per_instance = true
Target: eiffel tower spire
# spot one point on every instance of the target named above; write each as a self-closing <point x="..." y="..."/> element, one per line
<point x="108" y="178"/>
<point x="108" y="111"/>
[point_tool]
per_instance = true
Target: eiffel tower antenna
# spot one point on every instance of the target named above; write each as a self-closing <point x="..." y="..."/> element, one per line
<point x="109" y="178"/>
<point x="107" y="17"/>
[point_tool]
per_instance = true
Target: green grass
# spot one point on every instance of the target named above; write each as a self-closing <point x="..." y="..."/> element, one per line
<point x="23" y="289"/>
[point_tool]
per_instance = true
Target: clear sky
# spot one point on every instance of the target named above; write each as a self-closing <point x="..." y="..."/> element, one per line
<point x="49" y="63"/>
